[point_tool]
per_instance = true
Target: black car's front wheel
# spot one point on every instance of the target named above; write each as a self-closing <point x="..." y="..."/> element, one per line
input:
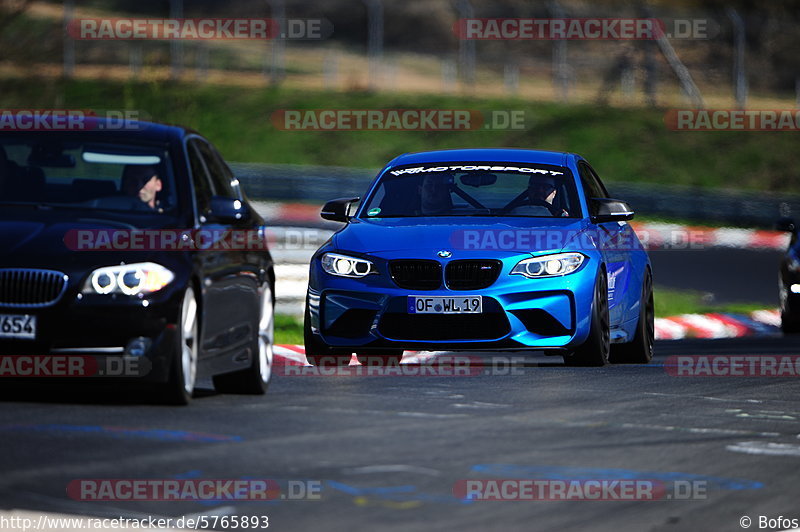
<point x="595" y="350"/>
<point x="183" y="366"/>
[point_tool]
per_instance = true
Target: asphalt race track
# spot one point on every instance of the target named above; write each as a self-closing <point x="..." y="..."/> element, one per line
<point x="385" y="452"/>
<point x="394" y="452"/>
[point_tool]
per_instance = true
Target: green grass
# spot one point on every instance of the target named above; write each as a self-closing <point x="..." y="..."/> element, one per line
<point x="669" y="302"/>
<point x="288" y="330"/>
<point x="622" y="144"/>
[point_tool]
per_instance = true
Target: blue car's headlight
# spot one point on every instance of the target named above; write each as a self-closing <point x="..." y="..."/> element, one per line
<point x="128" y="279"/>
<point x="549" y="265"/>
<point x="345" y="266"/>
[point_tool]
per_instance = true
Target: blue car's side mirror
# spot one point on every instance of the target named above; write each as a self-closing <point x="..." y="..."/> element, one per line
<point x="609" y="210"/>
<point x="338" y="210"/>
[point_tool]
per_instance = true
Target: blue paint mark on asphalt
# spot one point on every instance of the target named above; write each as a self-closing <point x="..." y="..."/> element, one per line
<point x="125" y="432"/>
<point x="583" y="473"/>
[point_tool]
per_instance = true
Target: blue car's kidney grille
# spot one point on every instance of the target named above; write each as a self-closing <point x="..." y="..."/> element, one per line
<point x="416" y="274"/>
<point x="31" y="288"/>
<point x="471" y="274"/>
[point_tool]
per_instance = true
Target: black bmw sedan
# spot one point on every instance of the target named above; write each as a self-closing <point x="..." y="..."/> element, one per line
<point x="133" y="243"/>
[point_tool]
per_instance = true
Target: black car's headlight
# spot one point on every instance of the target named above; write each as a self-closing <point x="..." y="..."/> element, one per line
<point x="345" y="266"/>
<point x="128" y="279"/>
<point x="549" y="265"/>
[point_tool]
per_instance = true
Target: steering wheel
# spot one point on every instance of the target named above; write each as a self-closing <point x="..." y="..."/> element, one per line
<point x="555" y="211"/>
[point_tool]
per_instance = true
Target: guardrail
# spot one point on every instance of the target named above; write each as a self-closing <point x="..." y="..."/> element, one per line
<point x="317" y="184"/>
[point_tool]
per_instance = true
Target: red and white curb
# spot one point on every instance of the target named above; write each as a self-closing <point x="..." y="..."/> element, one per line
<point x="718" y="325"/>
<point x="714" y="325"/>
<point x="675" y="236"/>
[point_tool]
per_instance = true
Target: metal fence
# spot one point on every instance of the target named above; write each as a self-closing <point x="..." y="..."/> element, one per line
<point x="317" y="184"/>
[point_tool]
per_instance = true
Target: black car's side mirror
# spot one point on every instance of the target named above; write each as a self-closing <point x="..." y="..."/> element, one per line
<point x="338" y="210"/>
<point x="610" y="210"/>
<point x="226" y="210"/>
<point x="786" y="224"/>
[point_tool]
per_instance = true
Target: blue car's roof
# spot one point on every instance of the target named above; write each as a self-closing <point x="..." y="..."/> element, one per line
<point x="484" y="154"/>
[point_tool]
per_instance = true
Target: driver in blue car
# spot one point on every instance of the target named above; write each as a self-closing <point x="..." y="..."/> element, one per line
<point x="542" y="193"/>
<point x="434" y="194"/>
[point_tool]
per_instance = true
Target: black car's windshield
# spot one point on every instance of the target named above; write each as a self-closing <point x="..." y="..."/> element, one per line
<point x="68" y="172"/>
<point x="474" y="189"/>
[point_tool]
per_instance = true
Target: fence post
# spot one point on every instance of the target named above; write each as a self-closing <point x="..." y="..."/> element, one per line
<point x="69" y="42"/>
<point x="466" y="47"/>
<point x="176" y="45"/>
<point x="374" y="41"/>
<point x="739" y="77"/>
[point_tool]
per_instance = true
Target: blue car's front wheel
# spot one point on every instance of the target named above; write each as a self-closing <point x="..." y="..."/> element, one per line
<point x="595" y="350"/>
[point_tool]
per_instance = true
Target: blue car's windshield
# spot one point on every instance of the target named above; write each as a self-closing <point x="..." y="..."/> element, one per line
<point x="75" y="173"/>
<point x="474" y="189"/>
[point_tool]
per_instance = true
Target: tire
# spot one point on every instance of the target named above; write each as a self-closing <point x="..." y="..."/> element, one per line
<point x="595" y="350"/>
<point x="789" y="324"/>
<point x="255" y="379"/>
<point x="640" y="349"/>
<point x="317" y="352"/>
<point x="387" y="357"/>
<point x="183" y="370"/>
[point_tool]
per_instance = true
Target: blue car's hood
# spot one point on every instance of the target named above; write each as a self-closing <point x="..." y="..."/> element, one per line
<point x="502" y="235"/>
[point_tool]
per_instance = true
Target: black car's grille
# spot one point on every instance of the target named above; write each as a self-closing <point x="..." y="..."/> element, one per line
<point x="441" y="327"/>
<point x="471" y="274"/>
<point x="31" y="288"/>
<point x="416" y="274"/>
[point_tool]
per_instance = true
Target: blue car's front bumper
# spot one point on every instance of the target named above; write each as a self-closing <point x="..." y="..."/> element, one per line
<point x="518" y="312"/>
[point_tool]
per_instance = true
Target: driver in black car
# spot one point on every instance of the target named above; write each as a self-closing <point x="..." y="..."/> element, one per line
<point x="143" y="181"/>
<point x="542" y="193"/>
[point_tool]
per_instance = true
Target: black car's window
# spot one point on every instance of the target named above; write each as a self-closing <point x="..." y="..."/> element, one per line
<point x="474" y="189"/>
<point x="221" y="176"/>
<point x="86" y="173"/>
<point x="200" y="179"/>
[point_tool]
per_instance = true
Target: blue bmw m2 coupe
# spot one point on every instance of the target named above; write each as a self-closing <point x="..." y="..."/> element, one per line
<point x="482" y="249"/>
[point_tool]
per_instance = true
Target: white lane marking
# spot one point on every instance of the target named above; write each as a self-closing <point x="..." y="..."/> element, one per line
<point x="700" y="430"/>
<point x="765" y="448"/>
<point x="707" y="398"/>
<point x="431" y="415"/>
<point x="392" y="468"/>
<point x="478" y="404"/>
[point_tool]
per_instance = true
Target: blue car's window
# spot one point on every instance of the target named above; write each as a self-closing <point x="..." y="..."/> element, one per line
<point x="84" y="174"/>
<point x="474" y="189"/>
